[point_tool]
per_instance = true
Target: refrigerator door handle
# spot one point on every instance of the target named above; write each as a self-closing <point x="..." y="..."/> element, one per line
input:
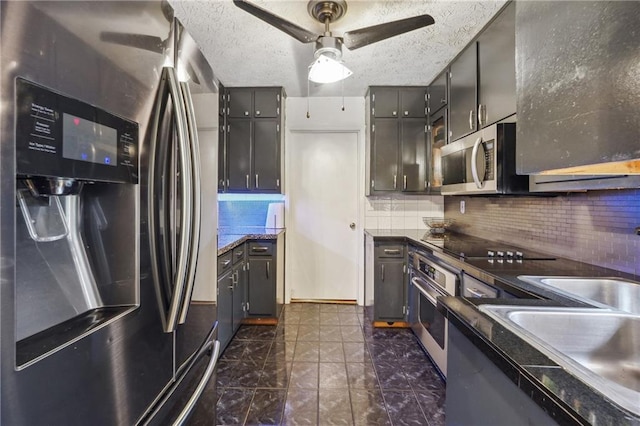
<point x="196" y="184"/>
<point x="197" y="393"/>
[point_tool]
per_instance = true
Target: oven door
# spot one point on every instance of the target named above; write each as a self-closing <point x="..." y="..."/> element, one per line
<point x="430" y="326"/>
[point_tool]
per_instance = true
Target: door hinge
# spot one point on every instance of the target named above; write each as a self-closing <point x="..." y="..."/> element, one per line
<point x="408" y="311"/>
<point x="228" y="128"/>
<point x="404" y="310"/>
<point x="373" y="97"/>
<point x="248" y="266"/>
<point x="278" y="183"/>
<point x="372" y="183"/>
<point x="277" y="127"/>
<point x="218" y="291"/>
<point x="426" y="128"/>
<point x="373" y="128"/>
<point x="404" y="269"/>
<point x="278" y="97"/>
<point x="278" y="111"/>
<point x="373" y="112"/>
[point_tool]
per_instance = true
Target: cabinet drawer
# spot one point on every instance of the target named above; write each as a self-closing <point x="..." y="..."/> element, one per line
<point x="224" y="263"/>
<point x="390" y="250"/>
<point x="238" y="253"/>
<point x="260" y="248"/>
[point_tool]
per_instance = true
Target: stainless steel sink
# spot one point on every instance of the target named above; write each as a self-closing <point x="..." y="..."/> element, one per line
<point x="604" y="292"/>
<point x="600" y="347"/>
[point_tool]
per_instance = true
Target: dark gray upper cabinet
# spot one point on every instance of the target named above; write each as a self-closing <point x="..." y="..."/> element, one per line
<point x="397" y="141"/>
<point x="239" y="155"/>
<point x="577" y="87"/>
<point x="463" y="93"/>
<point x="240" y="102"/>
<point x="385" y="102"/>
<point x="414" y="155"/>
<point x="384" y="154"/>
<point x="254" y="139"/>
<point x="497" y="68"/>
<point x="266" y="102"/>
<point x="267" y="155"/>
<point x="438" y="92"/>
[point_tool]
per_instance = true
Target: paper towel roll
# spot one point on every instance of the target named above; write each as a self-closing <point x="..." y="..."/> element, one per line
<point x="275" y="216"/>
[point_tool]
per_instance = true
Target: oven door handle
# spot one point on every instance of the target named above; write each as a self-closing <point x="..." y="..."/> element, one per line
<point x="416" y="283"/>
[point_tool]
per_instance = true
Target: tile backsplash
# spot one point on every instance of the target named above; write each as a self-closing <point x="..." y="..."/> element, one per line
<point x="594" y="227"/>
<point x="244" y="213"/>
<point x="401" y="212"/>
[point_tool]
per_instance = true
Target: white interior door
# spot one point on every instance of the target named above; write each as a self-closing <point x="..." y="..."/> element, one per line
<point x="322" y="183"/>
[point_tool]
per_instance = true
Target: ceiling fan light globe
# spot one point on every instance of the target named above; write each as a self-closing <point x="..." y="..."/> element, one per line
<point x="327" y="70"/>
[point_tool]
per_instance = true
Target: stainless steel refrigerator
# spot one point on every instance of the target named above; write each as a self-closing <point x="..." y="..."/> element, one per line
<point x="107" y="216"/>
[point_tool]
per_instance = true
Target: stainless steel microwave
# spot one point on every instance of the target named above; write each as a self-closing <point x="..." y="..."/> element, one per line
<point x="483" y="163"/>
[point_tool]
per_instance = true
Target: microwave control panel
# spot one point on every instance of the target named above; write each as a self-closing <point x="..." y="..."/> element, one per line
<point x="489" y="158"/>
<point x="58" y="136"/>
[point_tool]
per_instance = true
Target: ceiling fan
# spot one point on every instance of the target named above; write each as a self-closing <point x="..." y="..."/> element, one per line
<point x="328" y="67"/>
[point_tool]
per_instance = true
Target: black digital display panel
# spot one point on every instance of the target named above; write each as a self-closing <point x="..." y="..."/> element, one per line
<point x="85" y="140"/>
<point x="58" y="136"/>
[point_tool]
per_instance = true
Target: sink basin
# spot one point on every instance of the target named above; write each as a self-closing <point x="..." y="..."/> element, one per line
<point x="600" y="347"/>
<point x="604" y="292"/>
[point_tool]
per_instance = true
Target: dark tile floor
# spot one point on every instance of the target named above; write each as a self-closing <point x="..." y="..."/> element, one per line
<point x="325" y="364"/>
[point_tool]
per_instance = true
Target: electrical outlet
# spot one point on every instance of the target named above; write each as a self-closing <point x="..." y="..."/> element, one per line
<point x="462" y="207"/>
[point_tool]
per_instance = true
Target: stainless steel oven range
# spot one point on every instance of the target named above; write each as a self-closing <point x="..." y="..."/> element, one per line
<point x="430" y="278"/>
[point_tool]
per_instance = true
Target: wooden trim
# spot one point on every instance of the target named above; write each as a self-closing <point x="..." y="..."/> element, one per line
<point x="260" y="321"/>
<point x="392" y="324"/>
<point x="327" y="301"/>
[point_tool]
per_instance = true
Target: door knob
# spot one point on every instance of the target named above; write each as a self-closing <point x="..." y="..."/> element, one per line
<point x="352" y="225"/>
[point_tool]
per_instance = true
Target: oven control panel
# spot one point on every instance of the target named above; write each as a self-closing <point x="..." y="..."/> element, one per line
<point x="432" y="272"/>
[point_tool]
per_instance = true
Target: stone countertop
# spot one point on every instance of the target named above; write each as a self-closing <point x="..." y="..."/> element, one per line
<point x="567" y="399"/>
<point x="561" y="394"/>
<point x="230" y="238"/>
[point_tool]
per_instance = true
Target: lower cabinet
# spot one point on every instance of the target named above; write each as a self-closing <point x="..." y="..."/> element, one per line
<point x="261" y="295"/>
<point x="389" y="282"/>
<point x="225" y="301"/>
<point x="478" y="392"/>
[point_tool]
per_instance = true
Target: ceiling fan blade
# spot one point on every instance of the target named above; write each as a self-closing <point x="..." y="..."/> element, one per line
<point x="299" y="33"/>
<point x="140" y="41"/>
<point x="365" y="36"/>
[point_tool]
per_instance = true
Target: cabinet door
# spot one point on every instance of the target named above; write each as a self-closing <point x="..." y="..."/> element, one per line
<point x="222" y="137"/>
<point x="225" y="308"/>
<point x="266" y="159"/>
<point x="414" y="155"/>
<point x="497" y="69"/>
<point x="438" y="92"/>
<point x="385" y="102"/>
<point x="438" y="138"/>
<point x="262" y="287"/>
<point x="239" y="102"/>
<point x="239" y="155"/>
<point x="384" y="154"/>
<point x="266" y="102"/>
<point x="238" y="296"/>
<point x="463" y="90"/>
<point x="413" y="103"/>
<point x="389" y="294"/>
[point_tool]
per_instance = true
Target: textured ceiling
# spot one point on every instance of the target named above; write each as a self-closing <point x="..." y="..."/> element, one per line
<point x="245" y="51"/>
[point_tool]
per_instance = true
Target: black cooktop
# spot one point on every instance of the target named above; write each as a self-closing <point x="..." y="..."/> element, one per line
<point x="467" y="247"/>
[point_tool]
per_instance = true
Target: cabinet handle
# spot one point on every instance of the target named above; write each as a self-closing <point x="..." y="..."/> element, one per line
<point x="239" y="254"/>
<point x="247" y="181"/>
<point x="391" y="251"/>
<point x="257" y="112"/>
<point x="482" y="115"/>
<point x="443" y="101"/>
<point x="394" y="113"/>
<point x="476" y="293"/>
<point x="382" y="272"/>
<point x="268" y="269"/>
<point x="404" y="183"/>
<point x="406" y="113"/>
<point x="471" y="120"/>
<point x="257" y="181"/>
<point x="394" y="181"/>
<point x="225" y="263"/>
<point x="232" y="279"/>
<point x="260" y="249"/>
